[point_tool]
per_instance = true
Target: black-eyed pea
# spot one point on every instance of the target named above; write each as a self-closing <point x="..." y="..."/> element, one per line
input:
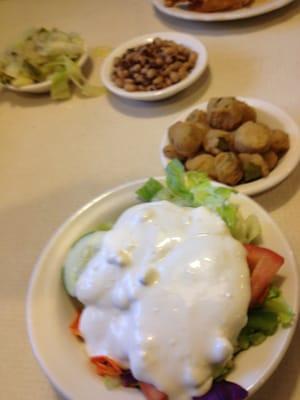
<point x="141" y="59"/>
<point x="174" y="76"/>
<point x="175" y="66"/>
<point x="128" y="80"/>
<point x="169" y="50"/>
<point x="138" y="78"/>
<point x="159" y="61"/>
<point x="130" y="87"/>
<point x="182" y="73"/>
<point x="158" y="80"/>
<point x="192" y="57"/>
<point x="136" y="68"/>
<point x="151" y="73"/>
<point x="119" y="82"/>
<point x="117" y="61"/>
<point x="157" y="41"/>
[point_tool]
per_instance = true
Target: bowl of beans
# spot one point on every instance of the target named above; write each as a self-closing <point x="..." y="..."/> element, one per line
<point x="154" y="66"/>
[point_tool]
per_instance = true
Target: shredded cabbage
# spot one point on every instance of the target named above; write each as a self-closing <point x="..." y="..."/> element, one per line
<point x="47" y="55"/>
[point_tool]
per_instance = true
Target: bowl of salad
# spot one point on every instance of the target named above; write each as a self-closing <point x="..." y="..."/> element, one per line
<point x="46" y="60"/>
<point x="164" y="288"/>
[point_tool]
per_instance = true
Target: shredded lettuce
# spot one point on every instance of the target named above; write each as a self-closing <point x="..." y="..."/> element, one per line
<point x="194" y="189"/>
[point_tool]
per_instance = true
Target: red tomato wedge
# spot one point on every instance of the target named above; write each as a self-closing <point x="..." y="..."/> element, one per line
<point x="263" y="264"/>
<point x="151" y="393"/>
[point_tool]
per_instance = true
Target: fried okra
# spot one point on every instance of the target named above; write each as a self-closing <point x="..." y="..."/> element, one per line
<point x="280" y="142"/>
<point x="226" y="142"/>
<point x="186" y="138"/>
<point x="204" y="163"/>
<point x="228" y="168"/>
<point x="228" y="113"/>
<point x="197" y="116"/>
<point x="271" y="158"/>
<point x="252" y="137"/>
<point x="170" y="152"/>
<point x="254" y="166"/>
<point x="217" y="141"/>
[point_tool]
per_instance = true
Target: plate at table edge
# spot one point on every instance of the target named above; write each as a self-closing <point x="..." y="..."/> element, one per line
<point x="246" y="12"/>
<point x="180" y="38"/>
<point x="274" y="117"/>
<point x="49" y="309"/>
<point x="43" y="87"/>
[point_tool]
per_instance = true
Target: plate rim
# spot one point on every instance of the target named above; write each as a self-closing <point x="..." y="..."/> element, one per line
<point x="220" y="16"/>
<point x="201" y="64"/>
<point x="263" y="184"/>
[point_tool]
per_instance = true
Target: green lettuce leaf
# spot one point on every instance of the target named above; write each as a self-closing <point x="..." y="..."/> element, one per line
<point x="149" y="190"/>
<point x="264" y="321"/>
<point x="276" y="303"/>
<point x="194" y="189"/>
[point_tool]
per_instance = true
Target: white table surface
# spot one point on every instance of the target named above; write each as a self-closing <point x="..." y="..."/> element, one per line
<point x="54" y="157"/>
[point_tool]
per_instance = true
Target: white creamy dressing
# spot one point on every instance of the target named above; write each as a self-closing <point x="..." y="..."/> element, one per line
<point x="166" y="296"/>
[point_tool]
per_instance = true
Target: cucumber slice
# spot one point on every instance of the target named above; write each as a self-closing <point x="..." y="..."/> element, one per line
<point x="77" y="258"/>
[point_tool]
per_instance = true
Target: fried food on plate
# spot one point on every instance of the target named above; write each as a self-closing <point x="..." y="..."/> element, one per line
<point x="226" y="140"/>
<point x="228" y="113"/>
<point x="210" y="5"/>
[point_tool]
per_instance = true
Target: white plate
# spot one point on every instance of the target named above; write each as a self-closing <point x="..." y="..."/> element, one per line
<point x="43" y="87"/>
<point x="259" y="7"/>
<point x="272" y="116"/>
<point x="49" y="310"/>
<point x="180" y="38"/>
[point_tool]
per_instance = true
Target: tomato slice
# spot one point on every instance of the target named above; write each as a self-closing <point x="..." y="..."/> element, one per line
<point x="263" y="264"/>
<point x="151" y="393"/>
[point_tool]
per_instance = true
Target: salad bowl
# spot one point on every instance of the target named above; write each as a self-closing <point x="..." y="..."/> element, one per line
<point x="50" y="311"/>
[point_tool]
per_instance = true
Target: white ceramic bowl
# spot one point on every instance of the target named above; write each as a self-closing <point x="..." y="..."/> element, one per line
<point x="272" y="116"/>
<point x="255" y="9"/>
<point x="43" y="87"/>
<point x="49" y="310"/>
<point x="180" y="38"/>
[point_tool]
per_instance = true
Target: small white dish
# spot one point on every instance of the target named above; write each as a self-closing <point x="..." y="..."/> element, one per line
<point x="43" y="87"/>
<point x="180" y="38"/>
<point x="275" y="118"/>
<point x="259" y="7"/>
<point x="49" y="310"/>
